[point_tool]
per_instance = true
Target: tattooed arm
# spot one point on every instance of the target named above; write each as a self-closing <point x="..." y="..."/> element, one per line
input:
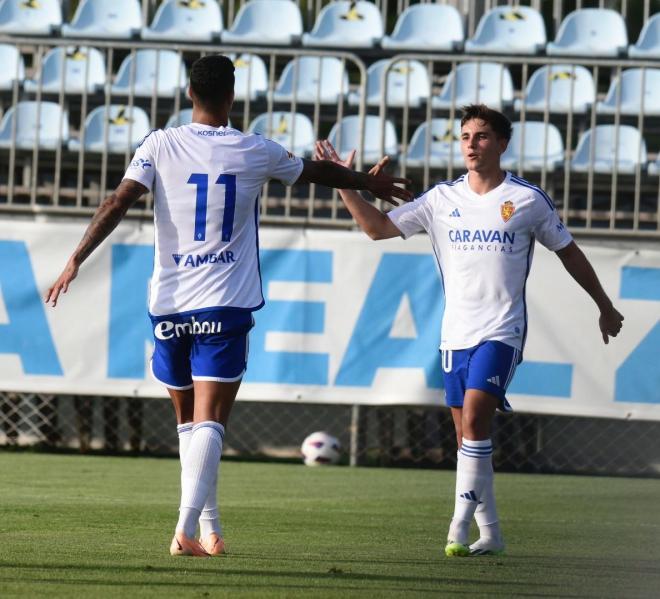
<point x="107" y="216"/>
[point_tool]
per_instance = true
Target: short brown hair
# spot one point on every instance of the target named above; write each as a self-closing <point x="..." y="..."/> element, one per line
<point x="500" y="125"/>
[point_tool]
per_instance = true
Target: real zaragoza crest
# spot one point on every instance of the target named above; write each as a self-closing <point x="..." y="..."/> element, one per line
<point x="506" y="210"/>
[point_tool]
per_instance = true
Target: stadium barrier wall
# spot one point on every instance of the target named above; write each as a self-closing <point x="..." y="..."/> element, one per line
<point x="347" y="321"/>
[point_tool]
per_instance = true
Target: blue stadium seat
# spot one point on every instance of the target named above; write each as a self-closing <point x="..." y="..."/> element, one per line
<point x="427" y="27"/>
<point x="52" y="132"/>
<point x="186" y="21"/>
<point x="30" y="17"/>
<point x="648" y="44"/>
<point x="250" y="77"/>
<point x="183" y="117"/>
<point x="115" y="129"/>
<point x="631" y="149"/>
<point x="105" y="19"/>
<point x="533" y="147"/>
<point x="13" y="66"/>
<point x="345" y="136"/>
<point x="344" y="24"/>
<point x="266" y="23"/>
<point x="590" y="32"/>
<point x="407" y="84"/>
<point x="80" y="68"/>
<point x="507" y="30"/>
<point x="165" y="65"/>
<point x="565" y="81"/>
<point x="633" y="85"/>
<point x="444" y="145"/>
<point x="485" y="82"/>
<point x="294" y="131"/>
<point x="319" y="78"/>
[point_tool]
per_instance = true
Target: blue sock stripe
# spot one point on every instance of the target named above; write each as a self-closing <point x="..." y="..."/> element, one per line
<point x="184" y="428"/>
<point x="477" y="455"/>
<point x="485" y="448"/>
<point x="210" y="424"/>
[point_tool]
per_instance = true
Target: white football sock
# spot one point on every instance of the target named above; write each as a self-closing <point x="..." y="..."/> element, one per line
<point x="200" y="468"/>
<point x="473" y="471"/>
<point x="486" y="512"/>
<point x="209" y="520"/>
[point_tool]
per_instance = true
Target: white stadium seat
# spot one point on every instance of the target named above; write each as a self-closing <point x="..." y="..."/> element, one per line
<point x="323" y="79"/>
<point x="509" y="30"/>
<point x="266" y="23"/>
<point x="648" y="44"/>
<point x="26" y="17"/>
<point x="427" y="27"/>
<point x="625" y="94"/>
<point x="620" y="150"/>
<point x="74" y="68"/>
<point x="345" y="136"/>
<point x="294" y="131"/>
<point x="534" y="146"/>
<point x="344" y="24"/>
<point x="13" y="66"/>
<point x="115" y="129"/>
<point x="52" y="130"/>
<point x="185" y="21"/>
<point x="151" y="71"/>
<point x="443" y="139"/>
<point x="105" y="19"/>
<point x="592" y="32"/>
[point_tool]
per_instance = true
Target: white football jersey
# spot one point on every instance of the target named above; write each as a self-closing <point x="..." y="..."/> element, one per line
<point x="206" y="183"/>
<point x="484" y="246"/>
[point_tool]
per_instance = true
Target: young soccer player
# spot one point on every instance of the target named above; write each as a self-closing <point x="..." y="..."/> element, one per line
<point x="483" y="227"/>
<point x="206" y="178"/>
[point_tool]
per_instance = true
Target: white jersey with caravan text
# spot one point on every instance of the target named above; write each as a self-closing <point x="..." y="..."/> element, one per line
<point x="206" y="183"/>
<point x="484" y="246"/>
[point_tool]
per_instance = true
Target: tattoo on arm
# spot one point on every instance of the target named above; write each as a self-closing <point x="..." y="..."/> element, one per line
<point x="107" y="216"/>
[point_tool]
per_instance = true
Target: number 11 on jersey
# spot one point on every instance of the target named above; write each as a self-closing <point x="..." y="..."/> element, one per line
<point x="201" y="180"/>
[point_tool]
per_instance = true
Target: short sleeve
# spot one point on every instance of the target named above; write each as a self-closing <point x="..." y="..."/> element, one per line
<point x="143" y="166"/>
<point x="548" y="228"/>
<point x="413" y="217"/>
<point x="282" y="165"/>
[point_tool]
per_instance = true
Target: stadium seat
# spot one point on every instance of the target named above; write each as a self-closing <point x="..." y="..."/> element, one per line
<point x="167" y="65"/>
<point x="183" y="117"/>
<point x="427" y="27"/>
<point x="485" y="82"/>
<point x="444" y="146"/>
<point x="13" y="66"/>
<point x="566" y="81"/>
<point x="266" y="23"/>
<point x="407" y="84"/>
<point x="633" y="85"/>
<point x="105" y="19"/>
<point x="52" y="132"/>
<point x="631" y="150"/>
<point x="345" y="136"/>
<point x="185" y="21"/>
<point x="590" y="32"/>
<point x="344" y="24"/>
<point x="654" y="167"/>
<point x="250" y="76"/>
<point x="323" y="79"/>
<point x="533" y="147"/>
<point x="648" y="44"/>
<point x="125" y="126"/>
<point x="74" y="68"/>
<point x="507" y="30"/>
<point x="294" y="131"/>
<point x="30" y="17"/>
<point x="115" y="129"/>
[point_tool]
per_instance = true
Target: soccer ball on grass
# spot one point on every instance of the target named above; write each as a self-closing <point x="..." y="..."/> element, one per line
<point x="320" y="449"/>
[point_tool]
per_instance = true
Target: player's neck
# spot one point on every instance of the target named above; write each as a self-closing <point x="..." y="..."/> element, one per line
<point x="481" y="182"/>
<point x="212" y="119"/>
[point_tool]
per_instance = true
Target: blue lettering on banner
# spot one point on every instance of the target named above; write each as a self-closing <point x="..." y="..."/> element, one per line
<point x="543" y="378"/>
<point x="638" y="378"/>
<point x="27" y="333"/>
<point x="371" y="347"/>
<point x="290" y="316"/>
<point x="130" y="327"/>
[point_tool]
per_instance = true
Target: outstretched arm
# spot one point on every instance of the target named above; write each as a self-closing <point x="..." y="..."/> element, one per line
<point x="107" y="216"/>
<point x="371" y="220"/>
<point x="576" y="263"/>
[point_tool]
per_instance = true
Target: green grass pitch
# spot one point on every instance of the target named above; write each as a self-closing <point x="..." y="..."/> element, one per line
<point x="73" y="526"/>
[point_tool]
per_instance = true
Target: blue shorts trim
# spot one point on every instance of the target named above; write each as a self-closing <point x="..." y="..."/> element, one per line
<point x="210" y="345"/>
<point x="489" y="367"/>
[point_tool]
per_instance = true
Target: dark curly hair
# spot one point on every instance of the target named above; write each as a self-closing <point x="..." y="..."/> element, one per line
<point x="500" y="125"/>
<point x="212" y="79"/>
